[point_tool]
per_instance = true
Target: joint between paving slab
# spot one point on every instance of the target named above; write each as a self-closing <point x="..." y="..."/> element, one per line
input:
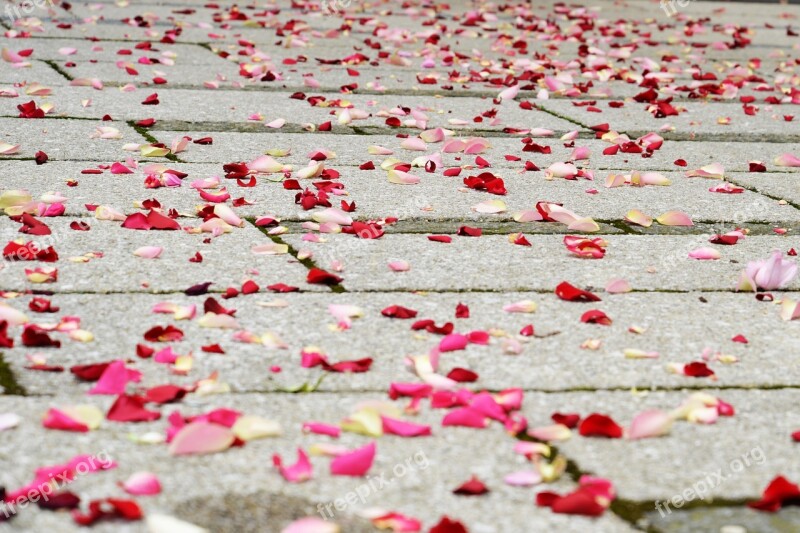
<point x="634" y="512"/>
<point x="562" y="117"/>
<point x="54" y="117"/>
<point x="55" y="66"/>
<point x="306" y="262"/>
<point x="141" y="130"/>
<point x="573" y="390"/>
<point x="422" y="226"/>
<point x="618" y="507"/>
<point x="755" y="190"/>
<point x="8" y="380"/>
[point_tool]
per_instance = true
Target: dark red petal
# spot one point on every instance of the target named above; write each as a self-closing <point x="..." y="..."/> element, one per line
<point x="597" y="425"/>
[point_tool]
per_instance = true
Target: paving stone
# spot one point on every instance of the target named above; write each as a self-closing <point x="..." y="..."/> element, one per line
<point x="711" y="517"/>
<point x="681" y="309"/>
<point x="66" y="139"/>
<point x="120" y="271"/>
<point x="435" y="198"/>
<point x="491" y="262"/>
<point x="247" y="481"/>
<point x="122" y="191"/>
<point x="37" y="72"/>
<point x="551" y="361"/>
<point x="237" y="106"/>
<point x="656" y="469"/>
<point x="230" y="146"/>
<point x="698" y="121"/>
<point x="109" y="51"/>
<point x="183" y="74"/>
<point x="783" y="186"/>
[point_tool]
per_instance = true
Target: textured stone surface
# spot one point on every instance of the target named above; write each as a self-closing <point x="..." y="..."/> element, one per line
<point x="223" y="71"/>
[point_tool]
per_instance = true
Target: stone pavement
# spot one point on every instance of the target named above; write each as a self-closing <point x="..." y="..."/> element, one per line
<point x="333" y="265"/>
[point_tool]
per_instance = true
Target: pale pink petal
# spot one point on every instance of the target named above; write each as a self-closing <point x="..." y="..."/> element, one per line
<point x="790" y="309"/>
<point x="618" y="286"/>
<point x="312" y="524"/>
<point x="414" y="143"/>
<point x="9" y="420"/>
<point x="148" y="252"/>
<point x="525" y="306"/>
<point x="265" y="164"/>
<point x="675" y="218"/>
<point x="584" y="225"/>
<point x="561" y="170"/>
<point x="523" y="478"/>
<point x="453" y="146"/>
<point x="476" y="145"/>
<point x="635" y="216"/>
<point x="8" y="149"/>
<point x="705" y="253"/>
<point x="399" y="266"/>
<point x="787" y="160"/>
<point x="714" y="171"/>
<point x="402" y="178"/>
<point x="201" y="438"/>
<point x="333" y="214"/>
<point x="651" y="423"/>
<point x="434" y="136"/>
<point x="580" y="153"/>
<point x="378" y="150"/>
<point x="509" y="94"/>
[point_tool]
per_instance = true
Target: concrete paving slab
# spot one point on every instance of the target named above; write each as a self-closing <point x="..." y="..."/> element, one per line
<point x="67" y="139"/>
<point x="244" y="479"/>
<point x="657" y="469"/>
<point x="651" y="262"/>
<point x="351" y="150"/>
<point x="237" y="106"/>
<point x="38" y="72"/>
<point x="700" y="120"/>
<point x="118" y="270"/>
<point x="551" y="361"/>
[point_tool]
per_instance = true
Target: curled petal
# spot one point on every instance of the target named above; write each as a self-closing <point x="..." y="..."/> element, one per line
<point x="705" y="253"/>
<point x="652" y="423"/>
<point x="675" y="218"/>
<point x="787" y="160"/>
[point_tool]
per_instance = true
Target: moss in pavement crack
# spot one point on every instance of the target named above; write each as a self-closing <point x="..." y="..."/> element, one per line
<point x="55" y="66"/>
<point x="8" y="381"/>
<point x="306" y="261"/>
<point x="146" y="134"/>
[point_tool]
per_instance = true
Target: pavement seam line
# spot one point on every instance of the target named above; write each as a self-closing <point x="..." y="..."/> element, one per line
<point x="141" y="130"/>
<point x="55" y="66"/>
<point x="306" y="262"/>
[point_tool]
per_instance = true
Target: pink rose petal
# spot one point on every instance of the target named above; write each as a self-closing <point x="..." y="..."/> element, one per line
<point x="356" y="463"/>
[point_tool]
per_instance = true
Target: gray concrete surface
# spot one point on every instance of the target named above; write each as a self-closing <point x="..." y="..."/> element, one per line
<point x="232" y="69"/>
